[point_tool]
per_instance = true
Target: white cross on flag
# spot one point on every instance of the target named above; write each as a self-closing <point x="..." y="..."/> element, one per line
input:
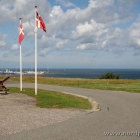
<point x="21" y="33"/>
<point x="39" y="22"/>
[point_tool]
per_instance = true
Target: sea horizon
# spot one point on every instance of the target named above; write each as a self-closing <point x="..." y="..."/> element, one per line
<point x="86" y="73"/>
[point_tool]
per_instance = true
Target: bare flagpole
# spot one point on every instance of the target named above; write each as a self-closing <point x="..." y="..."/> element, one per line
<point x="35" y="53"/>
<point x="20" y="68"/>
<point x="20" y="65"/>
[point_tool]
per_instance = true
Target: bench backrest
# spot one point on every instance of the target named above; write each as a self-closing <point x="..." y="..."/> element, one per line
<point x="1" y="82"/>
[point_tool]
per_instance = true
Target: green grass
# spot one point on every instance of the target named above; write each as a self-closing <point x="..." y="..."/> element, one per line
<point x="50" y="99"/>
<point x="118" y="85"/>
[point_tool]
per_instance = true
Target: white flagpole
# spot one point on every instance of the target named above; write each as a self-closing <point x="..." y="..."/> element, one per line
<point x="20" y="65"/>
<point x="20" y="68"/>
<point x="35" y="53"/>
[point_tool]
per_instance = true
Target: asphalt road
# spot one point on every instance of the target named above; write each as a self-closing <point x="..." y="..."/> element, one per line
<point x="120" y="113"/>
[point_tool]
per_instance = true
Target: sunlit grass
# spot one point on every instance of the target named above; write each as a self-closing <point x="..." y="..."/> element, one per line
<point x="103" y="84"/>
<point x="50" y="99"/>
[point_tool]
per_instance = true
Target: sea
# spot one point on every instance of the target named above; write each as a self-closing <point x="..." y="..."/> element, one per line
<point x="88" y="73"/>
<point x="91" y="73"/>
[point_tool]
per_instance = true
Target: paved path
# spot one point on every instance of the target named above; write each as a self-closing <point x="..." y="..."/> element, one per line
<point x="123" y="116"/>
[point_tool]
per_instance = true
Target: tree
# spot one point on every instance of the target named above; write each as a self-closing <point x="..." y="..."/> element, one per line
<point x="110" y="75"/>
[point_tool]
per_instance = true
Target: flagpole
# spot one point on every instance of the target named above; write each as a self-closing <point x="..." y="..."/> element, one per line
<point x="35" y="53"/>
<point x="20" y="66"/>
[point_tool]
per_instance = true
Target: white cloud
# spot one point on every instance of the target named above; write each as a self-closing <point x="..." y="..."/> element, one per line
<point x="98" y="26"/>
<point x="2" y="43"/>
<point x="88" y="29"/>
<point x="3" y="40"/>
<point x="14" y="9"/>
<point x="61" y="44"/>
<point x="15" y="47"/>
<point x="100" y="3"/>
<point x="28" y="27"/>
<point x="85" y="46"/>
<point x="66" y="3"/>
<point x="56" y="11"/>
<point x="134" y="35"/>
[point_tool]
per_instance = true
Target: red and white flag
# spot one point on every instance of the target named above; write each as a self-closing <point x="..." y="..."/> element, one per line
<point x="39" y="22"/>
<point x="21" y="33"/>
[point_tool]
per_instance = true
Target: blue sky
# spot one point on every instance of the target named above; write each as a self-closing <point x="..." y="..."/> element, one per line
<point x="80" y="33"/>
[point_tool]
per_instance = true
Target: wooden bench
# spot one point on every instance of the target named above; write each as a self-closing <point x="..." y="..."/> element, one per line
<point x="2" y="87"/>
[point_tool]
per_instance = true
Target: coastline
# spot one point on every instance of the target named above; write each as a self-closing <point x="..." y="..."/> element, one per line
<point x="76" y="73"/>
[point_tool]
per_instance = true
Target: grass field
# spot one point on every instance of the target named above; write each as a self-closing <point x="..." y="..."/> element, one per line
<point x="50" y="99"/>
<point x="103" y="84"/>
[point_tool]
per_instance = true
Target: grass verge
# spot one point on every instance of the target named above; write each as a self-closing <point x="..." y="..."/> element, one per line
<point x="50" y="99"/>
<point x="118" y="85"/>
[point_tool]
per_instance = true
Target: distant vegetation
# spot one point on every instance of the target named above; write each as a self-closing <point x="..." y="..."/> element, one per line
<point x="110" y="75"/>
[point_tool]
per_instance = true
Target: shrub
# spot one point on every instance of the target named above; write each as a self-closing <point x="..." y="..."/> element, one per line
<point x="110" y="75"/>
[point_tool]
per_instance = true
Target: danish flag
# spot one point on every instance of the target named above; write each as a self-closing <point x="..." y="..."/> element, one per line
<point x="39" y="22"/>
<point x="21" y="33"/>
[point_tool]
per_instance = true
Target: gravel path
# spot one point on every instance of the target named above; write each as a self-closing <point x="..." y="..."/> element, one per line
<point x="18" y="112"/>
<point x="119" y="113"/>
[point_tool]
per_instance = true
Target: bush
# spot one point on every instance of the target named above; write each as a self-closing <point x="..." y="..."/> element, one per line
<point x="110" y="75"/>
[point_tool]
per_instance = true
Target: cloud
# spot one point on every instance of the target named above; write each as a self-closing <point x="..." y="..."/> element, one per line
<point x="88" y="29"/>
<point x="96" y="31"/>
<point x="14" y="9"/>
<point x="100" y="3"/>
<point x="61" y="44"/>
<point x="134" y="36"/>
<point x="15" y="47"/>
<point x="95" y="27"/>
<point x="3" y="40"/>
<point x="44" y="51"/>
<point x="66" y="3"/>
<point x="2" y="43"/>
<point x="129" y="3"/>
